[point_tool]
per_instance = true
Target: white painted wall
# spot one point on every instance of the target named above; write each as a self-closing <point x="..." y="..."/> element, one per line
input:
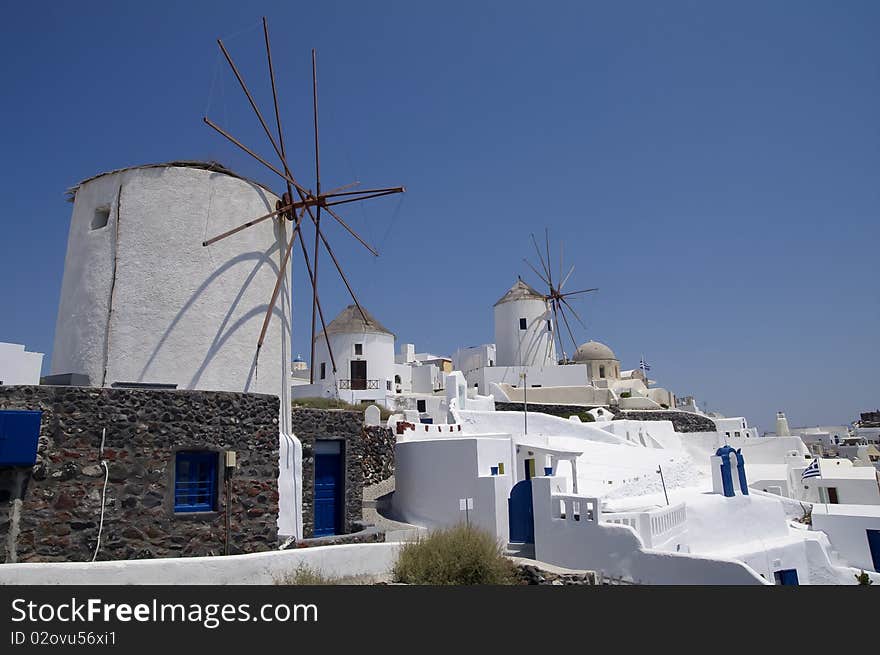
<point x="570" y="375"/>
<point x="17" y="366"/>
<point x="256" y="568"/>
<point x="433" y="474"/>
<point x="473" y="358"/>
<point x="846" y="527"/>
<point x="181" y="313"/>
<point x="577" y="394"/>
<point x="533" y="346"/>
<point x="378" y="352"/>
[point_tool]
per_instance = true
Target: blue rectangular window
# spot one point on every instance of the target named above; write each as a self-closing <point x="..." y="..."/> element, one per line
<point x="195" y="481"/>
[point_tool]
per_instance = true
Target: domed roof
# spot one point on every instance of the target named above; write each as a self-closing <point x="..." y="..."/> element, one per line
<point x="351" y="321"/>
<point x="520" y="291"/>
<point x="593" y="350"/>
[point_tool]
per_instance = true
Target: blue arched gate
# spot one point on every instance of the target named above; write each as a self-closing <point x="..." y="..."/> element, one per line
<point x="519" y="511"/>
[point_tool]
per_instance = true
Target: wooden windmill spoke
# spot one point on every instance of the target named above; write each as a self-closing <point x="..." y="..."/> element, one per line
<point x="574" y="293"/>
<point x="254" y="104"/>
<point x="303" y="192"/>
<point x="341" y="274"/>
<point x="568" y="275"/>
<point x="561" y="245"/>
<point x="547" y="245"/>
<point x="528" y="263"/>
<point x="541" y="258"/>
<point x="281" y="269"/>
<point x="570" y="333"/>
<point x="244" y="226"/>
<point x="558" y="331"/>
<point x="384" y="191"/>
<point x="566" y="303"/>
<point x="302" y="243"/>
<point x="374" y="195"/>
<point x="351" y="231"/>
<point x="331" y="192"/>
<point x="317" y="211"/>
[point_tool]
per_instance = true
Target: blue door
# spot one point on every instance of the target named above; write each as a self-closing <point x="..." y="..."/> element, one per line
<point x="328" y="488"/>
<point x="874" y="545"/>
<point x="519" y="512"/>
<point x="786" y="577"/>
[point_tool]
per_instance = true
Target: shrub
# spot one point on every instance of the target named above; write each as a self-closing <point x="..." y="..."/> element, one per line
<point x="306" y="575"/>
<point x="461" y="555"/>
<point x="626" y="394"/>
<point x="585" y="417"/>
<point x="864" y="579"/>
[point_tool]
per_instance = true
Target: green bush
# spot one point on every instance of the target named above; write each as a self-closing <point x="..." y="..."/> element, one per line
<point x="863" y="578"/>
<point x="626" y="394"/>
<point x="461" y="555"/>
<point x="585" y="417"/>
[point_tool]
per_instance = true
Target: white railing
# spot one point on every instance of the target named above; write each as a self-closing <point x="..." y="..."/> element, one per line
<point x="575" y="508"/>
<point x="655" y="527"/>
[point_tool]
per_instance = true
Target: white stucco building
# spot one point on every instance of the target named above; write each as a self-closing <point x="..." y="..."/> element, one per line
<point x="18" y="366"/>
<point x="524" y="328"/>
<point x="363" y="350"/>
<point x="144" y="303"/>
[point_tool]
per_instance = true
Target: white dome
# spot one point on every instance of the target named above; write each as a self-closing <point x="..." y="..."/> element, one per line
<point x="593" y="350"/>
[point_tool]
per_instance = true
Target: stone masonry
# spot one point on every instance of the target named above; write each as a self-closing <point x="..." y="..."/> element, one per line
<point x="60" y="510"/>
<point x="378" y="461"/>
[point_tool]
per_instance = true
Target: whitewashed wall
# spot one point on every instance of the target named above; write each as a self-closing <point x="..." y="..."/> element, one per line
<point x="17" y="366"/>
<point x="846" y="528"/>
<point x="533" y="346"/>
<point x="378" y="352"/>
<point x="433" y="475"/>
<point x="272" y="567"/>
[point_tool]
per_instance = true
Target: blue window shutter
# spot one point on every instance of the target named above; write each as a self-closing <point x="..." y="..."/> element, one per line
<point x="195" y="481"/>
<point x="19" y="437"/>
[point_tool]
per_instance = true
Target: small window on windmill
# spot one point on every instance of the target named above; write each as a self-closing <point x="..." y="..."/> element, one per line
<point x="323" y="370"/>
<point x="101" y="218"/>
<point x="523" y="324"/>
<point x="358" y="349"/>
<point x="549" y="326"/>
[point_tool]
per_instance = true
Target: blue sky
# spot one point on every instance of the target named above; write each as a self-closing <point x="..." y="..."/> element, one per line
<point x="714" y="168"/>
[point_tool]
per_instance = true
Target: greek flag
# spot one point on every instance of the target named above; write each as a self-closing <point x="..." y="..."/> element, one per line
<point x="644" y="365"/>
<point x="812" y="471"/>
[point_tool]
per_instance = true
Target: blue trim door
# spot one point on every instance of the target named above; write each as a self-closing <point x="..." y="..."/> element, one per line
<point x="520" y="513"/>
<point x="786" y="577"/>
<point x="874" y="546"/>
<point x="328" y="494"/>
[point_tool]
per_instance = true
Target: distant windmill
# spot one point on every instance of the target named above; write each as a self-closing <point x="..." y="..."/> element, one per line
<point x="555" y="296"/>
<point x="306" y="200"/>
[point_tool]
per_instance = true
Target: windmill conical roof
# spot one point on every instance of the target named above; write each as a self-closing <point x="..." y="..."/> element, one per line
<point x="520" y="291"/>
<point x="350" y="321"/>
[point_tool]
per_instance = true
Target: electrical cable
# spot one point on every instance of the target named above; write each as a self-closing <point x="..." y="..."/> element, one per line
<point x="103" y="493"/>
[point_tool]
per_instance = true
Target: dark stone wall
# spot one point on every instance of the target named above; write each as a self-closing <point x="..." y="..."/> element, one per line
<point x="681" y="421"/>
<point x="62" y="503"/>
<point x="563" y="411"/>
<point x="378" y="461"/>
<point x="310" y="425"/>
